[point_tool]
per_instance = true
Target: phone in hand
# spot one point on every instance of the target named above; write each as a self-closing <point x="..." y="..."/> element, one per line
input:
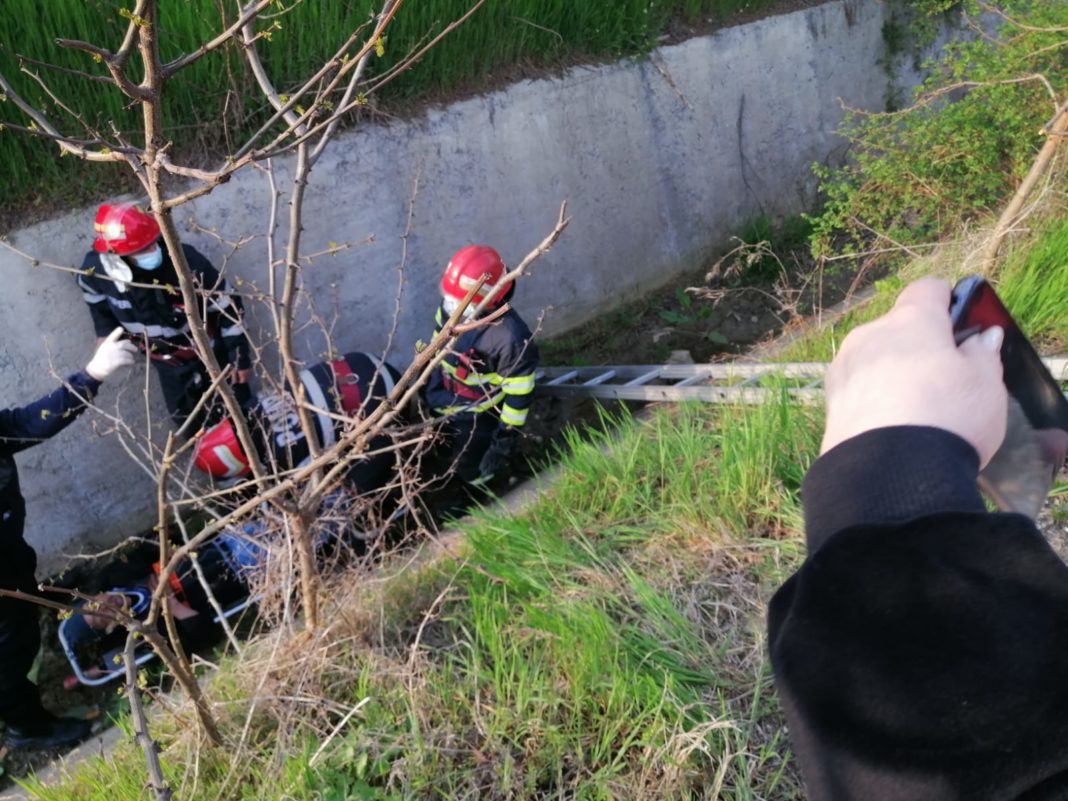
<point x="1021" y="473"/>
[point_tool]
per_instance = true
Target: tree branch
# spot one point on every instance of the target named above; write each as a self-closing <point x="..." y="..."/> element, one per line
<point x="149" y="747"/>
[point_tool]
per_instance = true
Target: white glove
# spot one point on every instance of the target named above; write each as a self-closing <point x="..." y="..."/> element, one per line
<point x="112" y="354"/>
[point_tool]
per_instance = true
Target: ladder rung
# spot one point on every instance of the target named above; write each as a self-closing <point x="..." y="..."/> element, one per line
<point x="643" y="379"/>
<point x="686" y="382"/>
<point x="594" y="382"/>
<point x="754" y="378"/>
<point x="563" y="379"/>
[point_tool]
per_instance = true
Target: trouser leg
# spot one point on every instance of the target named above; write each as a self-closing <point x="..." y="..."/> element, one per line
<point x="20" y="635"/>
<point x="469" y="435"/>
<point x="20" y="639"/>
<point x="183" y="383"/>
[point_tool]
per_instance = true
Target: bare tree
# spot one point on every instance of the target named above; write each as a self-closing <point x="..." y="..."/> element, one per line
<point x="301" y="125"/>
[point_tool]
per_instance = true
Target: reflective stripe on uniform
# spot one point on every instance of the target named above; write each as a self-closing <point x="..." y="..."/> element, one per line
<point x="472" y="379"/>
<point x="318" y="400"/>
<point x="518" y="385"/>
<point x="153" y="331"/>
<point x="89" y="295"/>
<point x="472" y="407"/>
<point x="382" y="374"/>
<point x="513" y="417"/>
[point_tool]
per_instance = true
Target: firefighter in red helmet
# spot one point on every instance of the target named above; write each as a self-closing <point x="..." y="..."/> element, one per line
<point x="349" y="387"/>
<point x="129" y="254"/>
<point x="484" y="384"/>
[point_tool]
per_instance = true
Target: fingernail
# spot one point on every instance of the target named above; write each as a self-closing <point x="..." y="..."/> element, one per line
<point x="992" y="338"/>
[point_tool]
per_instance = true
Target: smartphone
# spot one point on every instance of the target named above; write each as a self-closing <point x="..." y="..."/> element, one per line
<point x="1021" y="473"/>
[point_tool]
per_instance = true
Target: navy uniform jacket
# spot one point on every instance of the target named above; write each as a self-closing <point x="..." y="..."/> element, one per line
<point x="921" y="651"/>
<point x="159" y="314"/>
<point x="22" y="428"/>
<point x="276" y="425"/>
<point x="490" y="368"/>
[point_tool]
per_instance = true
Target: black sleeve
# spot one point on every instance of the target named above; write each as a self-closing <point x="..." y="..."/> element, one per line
<point x="921" y="650"/>
<point x="104" y="320"/>
<point x="27" y="425"/>
<point x="223" y="311"/>
<point x="516" y="356"/>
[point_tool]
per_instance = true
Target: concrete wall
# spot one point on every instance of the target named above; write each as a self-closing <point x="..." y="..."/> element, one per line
<point x="660" y="160"/>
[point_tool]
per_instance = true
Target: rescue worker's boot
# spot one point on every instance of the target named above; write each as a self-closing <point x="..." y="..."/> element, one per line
<point x="47" y="733"/>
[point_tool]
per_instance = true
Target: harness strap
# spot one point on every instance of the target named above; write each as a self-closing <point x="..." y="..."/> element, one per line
<point x="348" y="386"/>
<point x="173" y="580"/>
<point x="175" y="353"/>
<point x="461" y="390"/>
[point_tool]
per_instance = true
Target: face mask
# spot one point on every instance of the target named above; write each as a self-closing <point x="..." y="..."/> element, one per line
<point x="149" y="261"/>
<point x="451" y="304"/>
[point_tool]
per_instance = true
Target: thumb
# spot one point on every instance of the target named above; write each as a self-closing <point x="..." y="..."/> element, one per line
<point x="985" y="346"/>
<point x="113" y="337"/>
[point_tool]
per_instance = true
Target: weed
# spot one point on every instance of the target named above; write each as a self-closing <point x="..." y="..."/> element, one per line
<point x="1033" y="283"/>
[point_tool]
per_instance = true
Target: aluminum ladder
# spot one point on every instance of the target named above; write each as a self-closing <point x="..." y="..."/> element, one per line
<point x="727" y="382"/>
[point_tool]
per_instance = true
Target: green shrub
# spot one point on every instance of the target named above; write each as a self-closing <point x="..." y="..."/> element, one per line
<point x="973" y="133"/>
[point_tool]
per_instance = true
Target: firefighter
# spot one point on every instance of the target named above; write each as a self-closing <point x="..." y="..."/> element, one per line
<point x="351" y="386"/>
<point x="484" y="386"/>
<point x="28" y="724"/>
<point x="128" y="254"/>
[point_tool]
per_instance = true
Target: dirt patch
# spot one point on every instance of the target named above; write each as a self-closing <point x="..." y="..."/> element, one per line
<point x="716" y="313"/>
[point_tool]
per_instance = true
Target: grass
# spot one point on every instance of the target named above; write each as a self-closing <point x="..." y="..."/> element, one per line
<point x="502" y="35"/>
<point x="606" y="643"/>
<point x="1033" y="284"/>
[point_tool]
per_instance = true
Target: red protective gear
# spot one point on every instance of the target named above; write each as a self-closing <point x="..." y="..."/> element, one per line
<point x="124" y="229"/>
<point x="219" y="454"/>
<point x="466" y="269"/>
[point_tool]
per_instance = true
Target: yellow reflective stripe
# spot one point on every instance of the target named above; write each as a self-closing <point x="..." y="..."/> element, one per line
<point x="518" y="385"/>
<point x="513" y="417"/>
<point x="474" y="407"/>
<point x="438" y="321"/>
<point x="473" y="379"/>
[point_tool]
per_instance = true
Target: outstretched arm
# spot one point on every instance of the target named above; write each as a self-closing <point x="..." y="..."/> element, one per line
<point x="920" y="650"/>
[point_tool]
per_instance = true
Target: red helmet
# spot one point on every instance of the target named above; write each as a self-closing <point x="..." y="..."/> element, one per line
<point x="219" y="454"/>
<point x="124" y="229"/>
<point x="466" y="269"/>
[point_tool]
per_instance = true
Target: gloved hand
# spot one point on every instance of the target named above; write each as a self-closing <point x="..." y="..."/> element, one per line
<point x="112" y="354"/>
<point x="499" y="454"/>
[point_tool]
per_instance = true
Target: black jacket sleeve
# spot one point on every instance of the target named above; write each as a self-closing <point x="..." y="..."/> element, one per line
<point x="27" y="425"/>
<point x="104" y="320"/>
<point x="921" y="651"/>
<point x="223" y="311"/>
<point x="515" y="356"/>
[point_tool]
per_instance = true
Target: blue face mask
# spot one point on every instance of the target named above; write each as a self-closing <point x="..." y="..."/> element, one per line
<point x="149" y="261"/>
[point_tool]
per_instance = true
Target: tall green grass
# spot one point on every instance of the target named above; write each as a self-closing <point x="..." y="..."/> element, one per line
<point x="606" y="643"/>
<point x="1033" y="284"/>
<point x="502" y="35"/>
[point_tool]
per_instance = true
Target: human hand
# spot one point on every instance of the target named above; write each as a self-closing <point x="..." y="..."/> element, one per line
<point x="905" y="369"/>
<point x="243" y="376"/>
<point x="111" y="354"/>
